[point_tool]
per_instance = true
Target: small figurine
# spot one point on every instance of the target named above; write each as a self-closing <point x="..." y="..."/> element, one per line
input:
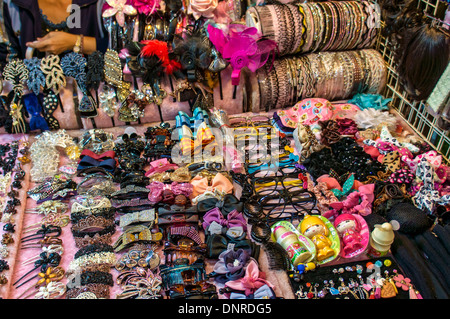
<point x="315" y="229"/>
<point x="349" y="231"/>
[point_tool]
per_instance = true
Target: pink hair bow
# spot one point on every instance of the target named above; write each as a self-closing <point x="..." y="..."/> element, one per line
<point x="242" y="47"/>
<point x="252" y="280"/>
<point x="157" y="189"/>
<point x="359" y="202"/>
<point x="233" y="219"/>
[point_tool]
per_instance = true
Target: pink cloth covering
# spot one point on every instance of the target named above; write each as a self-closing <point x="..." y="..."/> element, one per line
<point x="17" y="257"/>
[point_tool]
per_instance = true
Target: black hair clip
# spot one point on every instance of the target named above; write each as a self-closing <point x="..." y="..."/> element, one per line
<point x="210" y="166"/>
<point x="45" y="260"/>
<point x="45" y="231"/>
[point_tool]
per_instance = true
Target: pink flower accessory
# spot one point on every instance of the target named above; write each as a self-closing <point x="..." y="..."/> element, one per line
<point x="402" y="282"/>
<point x="202" y="8"/>
<point x="146" y="7"/>
<point x="119" y="8"/>
<point x="405" y="284"/>
<point x="242" y="47"/>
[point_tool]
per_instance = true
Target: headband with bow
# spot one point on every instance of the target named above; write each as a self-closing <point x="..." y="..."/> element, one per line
<point x="201" y="185"/>
<point x="252" y="281"/>
<point x="218" y="243"/>
<point x="428" y="197"/>
<point x="227" y="204"/>
<point x="215" y="223"/>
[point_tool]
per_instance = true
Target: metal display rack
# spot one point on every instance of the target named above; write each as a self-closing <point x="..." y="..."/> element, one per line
<point x="415" y="113"/>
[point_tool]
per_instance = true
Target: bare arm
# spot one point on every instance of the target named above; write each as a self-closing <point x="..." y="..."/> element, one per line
<point x="57" y="42"/>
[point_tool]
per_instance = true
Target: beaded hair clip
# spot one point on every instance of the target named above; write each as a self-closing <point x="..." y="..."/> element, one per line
<point x="17" y="73"/>
<point x="74" y="65"/>
<point x="36" y="79"/>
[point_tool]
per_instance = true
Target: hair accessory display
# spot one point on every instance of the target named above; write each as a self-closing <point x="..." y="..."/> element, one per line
<point x="329" y="26"/>
<point x="342" y="74"/>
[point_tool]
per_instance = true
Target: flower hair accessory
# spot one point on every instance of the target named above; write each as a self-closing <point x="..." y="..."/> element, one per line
<point x="146" y="7"/>
<point x="242" y="47"/>
<point x="202" y="8"/>
<point x="119" y="8"/>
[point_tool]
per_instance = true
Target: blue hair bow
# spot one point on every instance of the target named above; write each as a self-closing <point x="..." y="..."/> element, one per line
<point x="37" y="122"/>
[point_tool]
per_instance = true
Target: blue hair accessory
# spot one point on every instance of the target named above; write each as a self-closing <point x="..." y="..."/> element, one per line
<point x="37" y="122"/>
<point x="365" y="101"/>
<point x="74" y="65"/>
<point x="36" y="78"/>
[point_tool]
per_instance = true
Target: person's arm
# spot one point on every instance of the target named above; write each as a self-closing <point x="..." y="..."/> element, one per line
<point x="57" y="42"/>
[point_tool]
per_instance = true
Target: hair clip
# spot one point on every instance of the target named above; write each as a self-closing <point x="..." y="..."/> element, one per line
<point x="52" y="248"/>
<point x="74" y="65"/>
<point x="139" y="284"/>
<point x="50" y="103"/>
<point x="54" y="74"/>
<point x="45" y="260"/>
<point x="51" y="219"/>
<point x="48" y="281"/>
<point x="47" y="207"/>
<point x="44" y="242"/>
<point x="95" y="73"/>
<point x="17" y="73"/>
<point x="36" y="79"/>
<point x="138" y="257"/>
<point x="136" y="234"/>
<point x="143" y="216"/>
<point x="43" y="232"/>
<point x="113" y="74"/>
<point x="91" y="260"/>
<point x="90" y="277"/>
